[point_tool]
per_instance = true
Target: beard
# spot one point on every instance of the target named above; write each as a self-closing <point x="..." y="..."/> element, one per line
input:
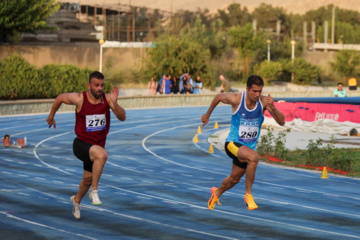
<point x="96" y="95"/>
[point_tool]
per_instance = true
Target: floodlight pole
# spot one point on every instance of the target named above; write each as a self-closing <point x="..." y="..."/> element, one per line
<point x="101" y="42"/>
<point x="268" y="52"/>
<point x="292" y="57"/>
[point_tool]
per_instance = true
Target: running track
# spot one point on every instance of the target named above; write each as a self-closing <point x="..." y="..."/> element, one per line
<point x="156" y="185"/>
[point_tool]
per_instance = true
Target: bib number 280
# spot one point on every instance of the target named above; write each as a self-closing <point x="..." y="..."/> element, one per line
<point x="248" y="134"/>
<point x="95" y="122"/>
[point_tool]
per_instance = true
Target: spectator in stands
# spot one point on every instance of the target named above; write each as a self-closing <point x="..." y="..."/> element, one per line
<point x="183" y="83"/>
<point x="165" y="86"/>
<point x="197" y="85"/>
<point x="152" y="86"/>
<point x="225" y="85"/>
<point x="185" y="79"/>
<point x="174" y="85"/>
<point x="187" y="89"/>
<point x="352" y="83"/>
<point x="160" y="82"/>
<point x="339" y="92"/>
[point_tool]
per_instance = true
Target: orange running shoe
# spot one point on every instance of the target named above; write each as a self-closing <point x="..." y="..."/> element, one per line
<point x="250" y="203"/>
<point x="213" y="199"/>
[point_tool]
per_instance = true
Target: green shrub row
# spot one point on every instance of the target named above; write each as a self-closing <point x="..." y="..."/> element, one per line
<point x="298" y="71"/>
<point x="20" y="80"/>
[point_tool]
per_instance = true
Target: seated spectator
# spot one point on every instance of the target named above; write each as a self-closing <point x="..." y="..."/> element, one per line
<point x="174" y="85"/>
<point x="152" y="86"/>
<point x="184" y="80"/>
<point x="339" y="92"/>
<point x="182" y="84"/>
<point x="225" y="85"/>
<point x="197" y="85"/>
<point x="187" y="89"/>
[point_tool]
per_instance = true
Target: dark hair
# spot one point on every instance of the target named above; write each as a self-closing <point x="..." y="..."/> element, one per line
<point x="97" y="75"/>
<point x="339" y="83"/>
<point x="254" y="79"/>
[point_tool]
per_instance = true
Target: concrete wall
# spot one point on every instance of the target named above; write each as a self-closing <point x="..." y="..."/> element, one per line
<point x="84" y="57"/>
<point x="44" y="105"/>
<point x="321" y="59"/>
<point x="89" y="56"/>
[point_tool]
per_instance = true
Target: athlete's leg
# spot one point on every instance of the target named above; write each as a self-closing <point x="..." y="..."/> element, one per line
<point x="251" y="157"/>
<point x="98" y="156"/>
<point x="231" y="180"/>
<point x="83" y="186"/>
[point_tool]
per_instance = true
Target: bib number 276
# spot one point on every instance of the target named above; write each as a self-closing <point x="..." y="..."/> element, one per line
<point x="95" y="122"/>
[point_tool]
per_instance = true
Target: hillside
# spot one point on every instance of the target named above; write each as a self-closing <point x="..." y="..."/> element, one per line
<point x="291" y="6"/>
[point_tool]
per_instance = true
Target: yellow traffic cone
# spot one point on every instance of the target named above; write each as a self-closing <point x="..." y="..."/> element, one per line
<point x="324" y="173"/>
<point x="216" y="125"/>
<point x="199" y="129"/>
<point x="211" y="149"/>
<point x="196" y="139"/>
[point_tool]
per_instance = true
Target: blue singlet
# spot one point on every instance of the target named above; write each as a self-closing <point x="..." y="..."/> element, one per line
<point x="246" y="124"/>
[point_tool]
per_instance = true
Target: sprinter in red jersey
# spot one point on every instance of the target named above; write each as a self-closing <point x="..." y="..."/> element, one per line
<point x="91" y="127"/>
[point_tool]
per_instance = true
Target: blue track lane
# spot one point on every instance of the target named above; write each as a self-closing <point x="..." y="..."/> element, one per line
<point x="156" y="185"/>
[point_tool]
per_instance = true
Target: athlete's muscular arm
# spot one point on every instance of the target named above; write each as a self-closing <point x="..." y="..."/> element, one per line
<point x="115" y="107"/>
<point x="227" y="98"/>
<point x="67" y="98"/>
<point x="275" y="113"/>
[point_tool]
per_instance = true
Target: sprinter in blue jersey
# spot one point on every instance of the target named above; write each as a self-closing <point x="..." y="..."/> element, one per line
<point x="248" y="114"/>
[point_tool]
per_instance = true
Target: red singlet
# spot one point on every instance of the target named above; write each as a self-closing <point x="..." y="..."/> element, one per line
<point x="93" y="121"/>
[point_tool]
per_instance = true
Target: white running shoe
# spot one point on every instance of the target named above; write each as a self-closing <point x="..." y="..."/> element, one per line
<point x="76" y="209"/>
<point x="94" y="197"/>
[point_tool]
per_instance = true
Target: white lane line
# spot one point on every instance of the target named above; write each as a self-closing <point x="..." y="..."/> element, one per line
<point x="25" y="194"/>
<point x="219" y="172"/>
<point x="268" y="199"/>
<point x="127" y="178"/>
<point x="276" y="223"/>
<point x="54" y="181"/>
<point x="48" y="165"/>
<point x="44" y="226"/>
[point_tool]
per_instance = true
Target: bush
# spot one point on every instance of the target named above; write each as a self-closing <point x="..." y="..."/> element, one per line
<point x="19" y="79"/>
<point x="57" y="79"/>
<point x="269" y="71"/>
<point x="266" y="146"/>
<point x="304" y="73"/>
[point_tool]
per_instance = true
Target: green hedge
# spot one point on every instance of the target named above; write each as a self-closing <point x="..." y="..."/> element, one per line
<point x="20" y="80"/>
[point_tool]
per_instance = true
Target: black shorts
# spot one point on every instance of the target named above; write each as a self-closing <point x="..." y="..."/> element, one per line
<point x="81" y="151"/>
<point x="233" y="148"/>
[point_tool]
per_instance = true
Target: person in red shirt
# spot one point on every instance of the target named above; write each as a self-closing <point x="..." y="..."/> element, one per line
<point x="91" y="127"/>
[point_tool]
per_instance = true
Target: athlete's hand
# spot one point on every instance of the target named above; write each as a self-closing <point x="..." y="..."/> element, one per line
<point x="51" y="122"/>
<point x="114" y="94"/>
<point x="270" y="101"/>
<point x="205" y="119"/>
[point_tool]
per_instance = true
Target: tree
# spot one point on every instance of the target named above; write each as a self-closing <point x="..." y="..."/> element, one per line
<point x="176" y="55"/>
<point x="236" y="15"/>
<point x="344" y="32"/>
<point x="17" y="17"/>
<point x="266" y="16"/>
<point x="248" y="45"/>
<point x="347" y="63"/>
